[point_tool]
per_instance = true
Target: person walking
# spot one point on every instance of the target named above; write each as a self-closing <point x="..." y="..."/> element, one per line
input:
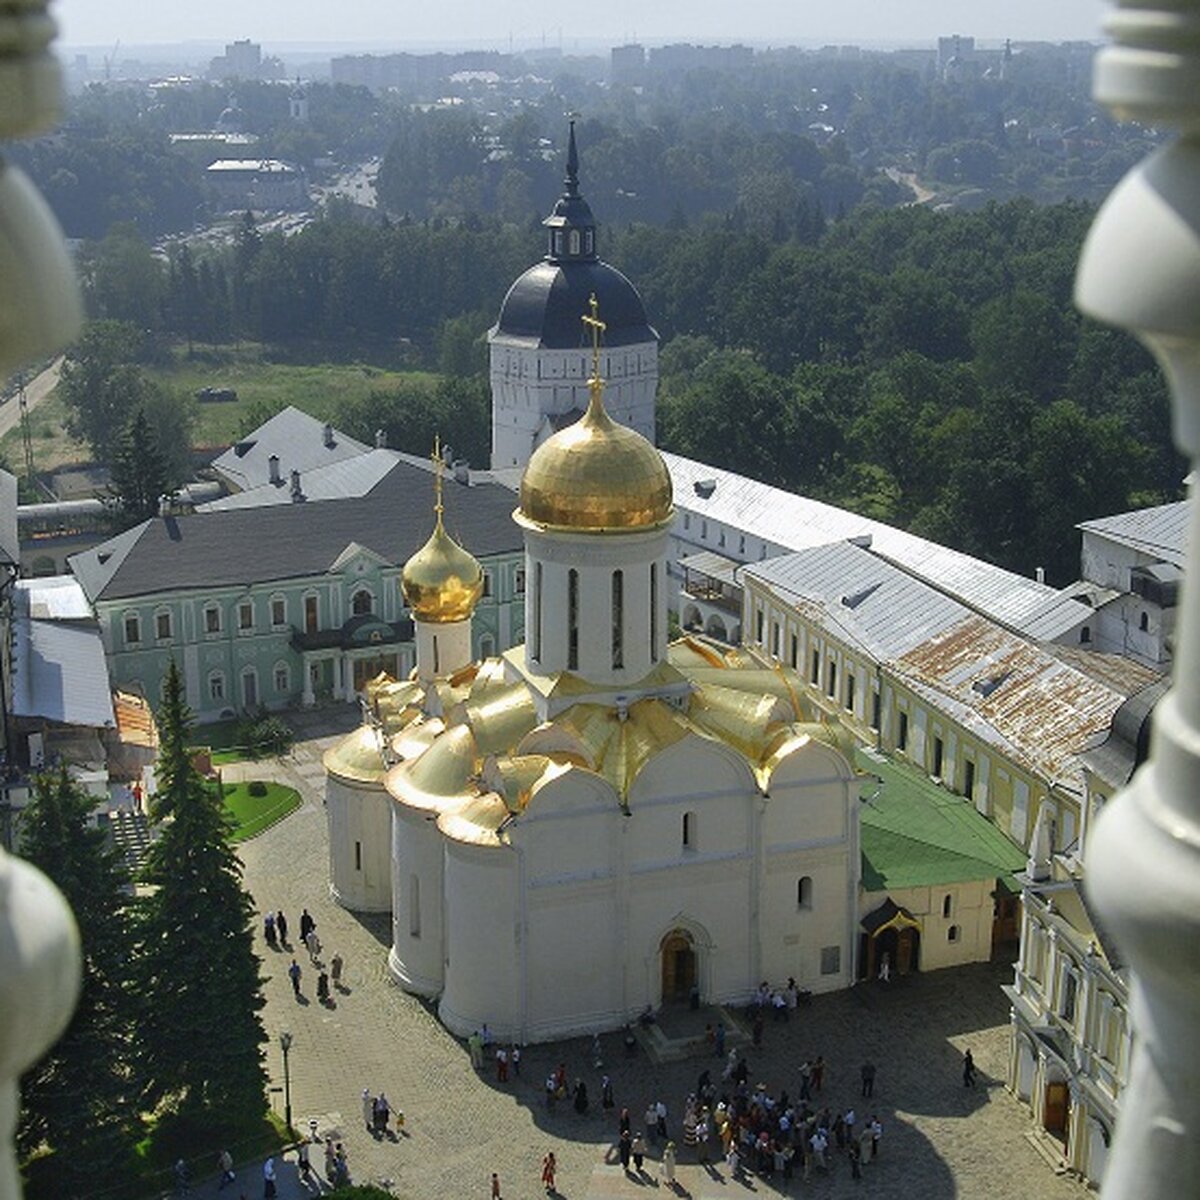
<point x="303" y="1163"/>
<point x="335" y="969"/>
<point x="475" y="1047"/>
<point x="719" y="1040"/>
<point x="606" y="1095"/>
<point x="225" y="1162"/>
<point x="323" y="988"/>
<point x="182" y="1186"/>
<point x="876" y="1133"/>
<point x="294" y="974"/>
<point x="639" y="1152"/>
<point x="331" y="1156"/>
<point x="651" y="1120"/>
<point x="495" y="1186"/>
<point x="314" y="945"/>
<point x="549" y="1167"/>
<point x="501" y="1065"/>
<point x="624" y="1148"/>
<point x="307" y="925"/>
<point x="885" y="967"/>
<point x="269" y="931"/>
<point x="581" y="1097"/>
<point x="855" y="1161"/>
<point x="867" y="1073"/>
<point x="968" y="1070"/>
<point x="514" y="1059"/>
<point x="368" y="1110"/>
<point x="668" y="1164"/>
<point x="269" y="1191"/>
<point x="818" y="1074"/>
<point x="281" y="926"/>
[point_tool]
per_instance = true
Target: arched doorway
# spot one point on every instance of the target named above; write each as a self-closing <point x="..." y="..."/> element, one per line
<point x="893" y="931"/>
<point x="679" y="973"/>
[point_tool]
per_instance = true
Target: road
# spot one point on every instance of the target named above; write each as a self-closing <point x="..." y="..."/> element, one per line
<point x="37" y="390"/>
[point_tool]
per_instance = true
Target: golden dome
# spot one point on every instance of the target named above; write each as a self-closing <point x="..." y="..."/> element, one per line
<point x="595" y="475"/>
<point x="358" y="758"/>
<point x="441" y="582"/>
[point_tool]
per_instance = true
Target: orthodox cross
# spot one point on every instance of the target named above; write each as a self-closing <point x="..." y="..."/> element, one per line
<point x="438" y="464"/>
<point x="592" y="319"/>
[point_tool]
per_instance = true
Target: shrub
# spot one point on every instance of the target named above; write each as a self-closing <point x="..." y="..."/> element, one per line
<point x="256" y="787"/>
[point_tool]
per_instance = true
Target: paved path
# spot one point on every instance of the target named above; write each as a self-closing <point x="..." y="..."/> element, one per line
<point x="37" y="389"/>
<point x="940" y="1141"/>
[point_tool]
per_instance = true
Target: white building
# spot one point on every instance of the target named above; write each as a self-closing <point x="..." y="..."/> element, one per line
<point x="539" y="359"/>
<point x="597" y="821"/>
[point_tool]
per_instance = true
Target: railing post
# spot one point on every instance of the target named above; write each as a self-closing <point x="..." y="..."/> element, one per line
<point x="1140" y="270"/>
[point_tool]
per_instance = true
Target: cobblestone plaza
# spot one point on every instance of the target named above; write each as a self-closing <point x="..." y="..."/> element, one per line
<point x="940" y="1139"/>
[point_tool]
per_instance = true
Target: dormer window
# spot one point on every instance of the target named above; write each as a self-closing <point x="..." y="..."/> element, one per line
<point x="575" y="241"/>
<point x="557" y="242"/>
<point x="589" y="242"/>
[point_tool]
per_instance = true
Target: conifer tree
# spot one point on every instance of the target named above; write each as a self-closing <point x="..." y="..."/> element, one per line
<point x="201" y="1035"/>
<point x="80" y="1099"/>
<point x="139" y="471"/>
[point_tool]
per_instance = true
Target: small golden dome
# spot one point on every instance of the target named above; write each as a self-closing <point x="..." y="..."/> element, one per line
<point x="595" y="475"/>
<point x="357" y="758"/>
<point x="441" y="582"/>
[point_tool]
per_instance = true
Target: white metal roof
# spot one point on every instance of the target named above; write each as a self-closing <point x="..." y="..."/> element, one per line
<point x="787" y="521"/>
<point x="272" y="166"/>
<point x="53" y="598"/>
<point x="1160" y="532"/>
<point x="348" y="478"/>
<point x="59" y="673"/>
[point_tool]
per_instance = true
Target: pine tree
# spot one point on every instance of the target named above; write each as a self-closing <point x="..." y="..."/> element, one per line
<point x="201" y="1035"/>
<point x="139" y="471"/>
<point x="80" y="1099"/>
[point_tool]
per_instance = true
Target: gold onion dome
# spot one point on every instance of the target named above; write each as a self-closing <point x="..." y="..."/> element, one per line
<point x="595" y="474"/>
<point x="441" y="583"/>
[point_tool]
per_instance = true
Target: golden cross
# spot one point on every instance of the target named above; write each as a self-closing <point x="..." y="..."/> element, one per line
<point x="437" y="475"/>
<point x="598" y="327"/>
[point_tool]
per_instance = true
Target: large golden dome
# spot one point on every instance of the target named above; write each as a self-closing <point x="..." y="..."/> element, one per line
<point x="441" y="582"/>
<point x="595" y="475"/>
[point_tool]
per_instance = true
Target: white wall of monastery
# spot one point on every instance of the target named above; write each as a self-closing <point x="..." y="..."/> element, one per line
<point x="360" y="844"/>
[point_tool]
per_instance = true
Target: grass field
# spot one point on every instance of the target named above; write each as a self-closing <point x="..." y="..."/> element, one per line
<point x="253" y="814"/>
<point x="51" y="446"/>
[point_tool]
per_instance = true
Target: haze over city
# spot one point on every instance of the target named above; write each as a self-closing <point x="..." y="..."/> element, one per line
<point x="84" y="22"/>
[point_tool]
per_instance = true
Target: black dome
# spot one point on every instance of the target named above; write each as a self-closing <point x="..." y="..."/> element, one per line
<point x="543" y="308"/>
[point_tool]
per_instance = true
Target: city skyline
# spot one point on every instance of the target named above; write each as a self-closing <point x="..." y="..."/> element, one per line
<point x="524" y="23"/>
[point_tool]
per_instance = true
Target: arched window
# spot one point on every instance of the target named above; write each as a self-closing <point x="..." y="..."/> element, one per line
<point x="689" y="831"/>
<point x="946" y="904"/>
<point x="536" y="632"/>
<point x="574" y="241"/>
<point x="1144" y="622"/>
<point x="804" y="892"/>
<point x="618" y="620"/>
<point x="572" y="620"/>
<point x="362" y="603"/>
<point x="557" y="242"/>
<point x="952" y="933"/>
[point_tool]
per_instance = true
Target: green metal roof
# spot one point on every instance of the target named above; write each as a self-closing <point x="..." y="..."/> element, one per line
<point x="917" y="834"/>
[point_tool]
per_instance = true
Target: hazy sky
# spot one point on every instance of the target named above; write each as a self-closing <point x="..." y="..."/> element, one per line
<point x="492" y="22"/>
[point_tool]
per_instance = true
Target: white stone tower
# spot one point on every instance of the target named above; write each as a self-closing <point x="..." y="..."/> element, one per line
<point x="539" y="357"/>
<point x="298" y="103"/>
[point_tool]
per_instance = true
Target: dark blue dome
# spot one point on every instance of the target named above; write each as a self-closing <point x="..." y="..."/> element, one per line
<point x="543" y="308"/>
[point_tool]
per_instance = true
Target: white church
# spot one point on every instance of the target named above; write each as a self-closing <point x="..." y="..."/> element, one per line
<point x="598" y="820"/>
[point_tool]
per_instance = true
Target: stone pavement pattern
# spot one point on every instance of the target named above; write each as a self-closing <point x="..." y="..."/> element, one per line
<point x="940" y="1140"/>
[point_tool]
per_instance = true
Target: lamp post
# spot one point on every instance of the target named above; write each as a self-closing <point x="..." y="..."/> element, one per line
<point x="285" y="1044"/>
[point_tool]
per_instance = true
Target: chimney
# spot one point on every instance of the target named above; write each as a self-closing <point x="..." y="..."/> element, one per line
<point x="462" y="471"/>
<point x="1040" y="574"/>
<point x="297" y="491"/>
<point x="381" y="439"/>
<point x="273" y="469"/>
<point x="329" y="435"/>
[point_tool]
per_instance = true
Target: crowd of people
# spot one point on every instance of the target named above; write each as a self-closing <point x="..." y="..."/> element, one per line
<point x="275" y="934"/>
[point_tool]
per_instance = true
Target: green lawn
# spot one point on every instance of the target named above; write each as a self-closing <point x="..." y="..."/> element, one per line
<point x="317" y="389"/>
<point x="253" y="814"/>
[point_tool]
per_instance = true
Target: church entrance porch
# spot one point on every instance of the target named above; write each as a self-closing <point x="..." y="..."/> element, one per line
<point x="679" y="970"/>
<point x="891" y="935"/>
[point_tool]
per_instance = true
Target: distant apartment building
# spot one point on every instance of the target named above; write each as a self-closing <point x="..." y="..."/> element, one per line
<point x="244" y="60"/>
<point x="683" y="56"/>
<point x="414" y="72"/>
<point x="628" y="65"/>
<point x="267" y="184"/>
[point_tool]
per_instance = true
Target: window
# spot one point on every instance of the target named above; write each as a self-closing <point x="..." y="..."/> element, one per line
<point x="414" y="907"/>
<point x="804" y="892"/>
<point x="487" y="583"/>
<point x="311" y="615"/>
<point x="814" y="673"/>
<point x="618" y="620"/>
<point x="572" y="620"/>
<point x="1070" y="992"/>
<point x="283" y="678"/>
<point x="246" y="615"/>
<point x="851" y="681"/>
<point x="654" y="612"/>
<point x="212" y="618"/>
<point x="558" y="241"/>
<point x="162" y="626"/>
<point x="939" y="754"/>
<point x="947" y="901"/>
<point x="689" y="831"/>
<point x="902" y="735"/>
<point x="133" y="629"/>
<point x="1144" y="622"/>
<point x="362" y="603"/>
<point x="952" y="933"/>
<point x="358" y="856"/>
<point x="687" y="520"/>
<point x="1085" y="635"/>
<point x="574" y="241"/>
<point x="831" y="682"/>
<point x="721" y="538"/>
<point x="216" y="686"/>
<point x="704" y="530"/>
<point x="589" y="241"/>
<point x="874" y="710"/>
<point x="795" y="649"/>
<point x="742" y="543"/>
<point x="519" y="581"/>
<point x="278" y="611"/>
<point x="437" y="656"/>
<point x="775" y="638"/>
<point x="969" y="779"/>
<point x="831" y="960"/>
<point x="536" y="631"/>
<point x="759" y="625"/>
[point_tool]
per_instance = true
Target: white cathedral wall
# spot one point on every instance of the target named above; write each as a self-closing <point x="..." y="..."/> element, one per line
<point x="530" y="384"/>
<point x="442" y="648"/>
<point x="360" y="843"/>
<point x="416" y="959"/>
<point x="595" y="559"/>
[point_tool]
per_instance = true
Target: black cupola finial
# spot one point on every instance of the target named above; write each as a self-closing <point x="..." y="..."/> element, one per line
<point x="572" y="179"/>
<point x="572" y="228"/>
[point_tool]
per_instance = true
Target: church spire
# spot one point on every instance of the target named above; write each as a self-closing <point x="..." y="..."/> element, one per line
<point x="571" y="226"/>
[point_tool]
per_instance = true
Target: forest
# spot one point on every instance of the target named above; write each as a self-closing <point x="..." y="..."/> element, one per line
<point x="925" y="368"/>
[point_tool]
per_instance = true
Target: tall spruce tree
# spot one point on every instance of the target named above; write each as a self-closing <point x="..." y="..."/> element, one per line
<point x="201" y="1036"/>
<point x="80" y="1099"/>
<point x="139" y="471"/>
